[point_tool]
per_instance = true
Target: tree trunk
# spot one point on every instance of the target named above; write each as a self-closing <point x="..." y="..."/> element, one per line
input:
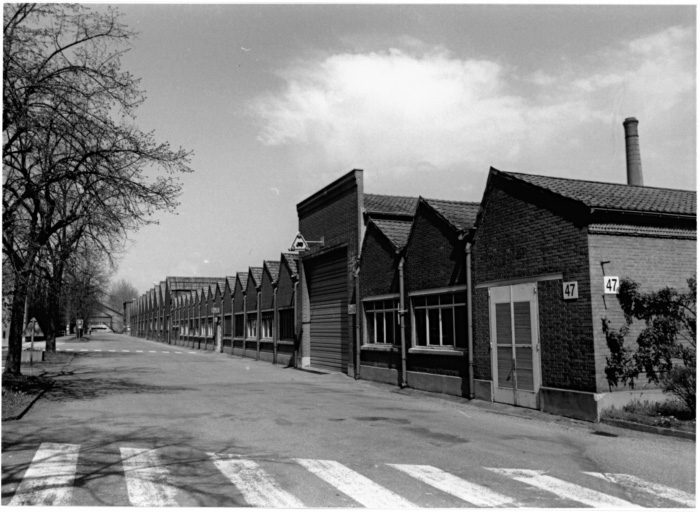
<point x="14" y="347"/>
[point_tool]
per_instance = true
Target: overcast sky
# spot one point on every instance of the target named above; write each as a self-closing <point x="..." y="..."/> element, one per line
<point x="277" y="101"/>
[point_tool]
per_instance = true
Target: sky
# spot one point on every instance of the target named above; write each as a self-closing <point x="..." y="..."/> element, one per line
<point x="278" y="101"/>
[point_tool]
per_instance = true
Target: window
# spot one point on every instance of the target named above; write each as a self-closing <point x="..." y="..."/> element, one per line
<point x="227" y="325"/>
<point x="251" y="330"/>
<point x="286" y="324"/>
<point x="266" y="323"/>
<point x="381" y="320"/>
<point x="239" y="325"/>
<point x="439" y="320"/>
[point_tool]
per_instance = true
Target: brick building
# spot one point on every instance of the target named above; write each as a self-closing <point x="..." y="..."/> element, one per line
<point x="542" y="247"/>
<point x="239" y="311"/>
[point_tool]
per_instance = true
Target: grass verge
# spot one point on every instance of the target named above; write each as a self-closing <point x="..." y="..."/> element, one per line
<point x="671" y="414"/>
<point x="19" y="391"/>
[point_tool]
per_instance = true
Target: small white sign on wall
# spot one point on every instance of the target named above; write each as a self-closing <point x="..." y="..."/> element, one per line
<point x="611" y="284"/>
<point x="351" y="309"/>
<point x="570" y="290"/>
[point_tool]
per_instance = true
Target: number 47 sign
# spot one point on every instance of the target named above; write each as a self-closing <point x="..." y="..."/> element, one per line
<point x="611" y="284"/>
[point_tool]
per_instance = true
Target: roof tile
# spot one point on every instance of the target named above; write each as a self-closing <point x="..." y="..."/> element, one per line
<point x="461" y="214"/>
<point x="397" y="231"/>
<point x="615" y="196"/>
<point x="400" y="205"/>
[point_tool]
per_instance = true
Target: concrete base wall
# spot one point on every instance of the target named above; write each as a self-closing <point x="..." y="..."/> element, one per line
<point x="377" y="374"/>
<point x="483" y="389"/>
<point x="266" y="356"/>
<point x="438" y="383"/>
<point x="589" y="406"/>
<point x="283" y="359"/>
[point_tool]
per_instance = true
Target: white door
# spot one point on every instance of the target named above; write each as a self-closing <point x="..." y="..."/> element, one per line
<point x="514" y="337"/>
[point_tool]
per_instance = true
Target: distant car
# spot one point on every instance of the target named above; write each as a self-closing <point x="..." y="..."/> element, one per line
<point x="99" y="328"/>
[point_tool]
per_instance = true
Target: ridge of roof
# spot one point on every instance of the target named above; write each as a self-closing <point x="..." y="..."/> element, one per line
<point x="387" y="204"/>
<point x="612" y="196"/>
<point x="273" y="268"/>
<point x="292" y="261"/>
<point x="256" y="273"/>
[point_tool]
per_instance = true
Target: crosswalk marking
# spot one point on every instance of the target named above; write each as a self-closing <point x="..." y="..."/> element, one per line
<point x="256" y="486"/>
<point x="49" y="478"/>
<point x="564" y="489"/>
<point x="354" y="485"/>
<point x="126" y="351"/>
<point x="473" y="493"/>
<point x="636" y="484"/>
<point x="146" y="479"/>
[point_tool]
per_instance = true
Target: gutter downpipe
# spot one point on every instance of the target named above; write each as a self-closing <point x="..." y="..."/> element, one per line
<point x="357" y="327"/>
<point x="403" y="355"/>
<point x="469" y="316"/>
<point x="297" y="334"/>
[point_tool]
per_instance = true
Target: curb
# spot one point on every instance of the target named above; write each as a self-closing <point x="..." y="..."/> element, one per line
<point x="29" y="405"/>
<point x="650" y="429"/>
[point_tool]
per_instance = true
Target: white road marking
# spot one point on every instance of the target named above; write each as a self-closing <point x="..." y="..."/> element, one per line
<point x="152" y="351"/>
<point x="112" y="350"/>
<point x="191" y="352"/>
<point x="49" y="478"/>
<point x="354" y="485"/>
<point x="98" y="350"/>
<point x="178" y="352"/>
<point x="257" y="487"/>
<point x="83" y="350"/>
<point x="473" y="493"/>
<point x="126" y="351"/>
<point x="165" y="352"/>
<point x="564" y="489"/>
<point x="139" y="351"/>
<point x="635" y="484"/>
<point x="146" y="479"/>
<point x="69" y="350"/>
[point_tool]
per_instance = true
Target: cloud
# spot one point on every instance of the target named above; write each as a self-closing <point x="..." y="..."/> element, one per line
<point x="400" y="110"/>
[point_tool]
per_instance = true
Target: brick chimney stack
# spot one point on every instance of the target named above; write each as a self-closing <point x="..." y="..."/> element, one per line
<point x="634" y="174"/>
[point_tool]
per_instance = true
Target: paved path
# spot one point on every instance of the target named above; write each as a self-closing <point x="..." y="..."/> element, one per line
<point x="134" y="422"/>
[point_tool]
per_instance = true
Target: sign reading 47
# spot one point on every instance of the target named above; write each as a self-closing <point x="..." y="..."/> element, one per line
<point x="611" y="284"/>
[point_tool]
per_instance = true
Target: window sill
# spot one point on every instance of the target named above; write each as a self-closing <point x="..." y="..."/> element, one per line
<point x="438" y="351"/>
<point x="285" y="342"/>
<point x="379" y="347"/>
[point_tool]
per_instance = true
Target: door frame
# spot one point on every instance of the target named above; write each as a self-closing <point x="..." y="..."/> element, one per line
<point x="510" y="294"/>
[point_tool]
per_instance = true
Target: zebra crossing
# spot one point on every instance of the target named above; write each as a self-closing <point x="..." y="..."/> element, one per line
<point x="49" y="480"/>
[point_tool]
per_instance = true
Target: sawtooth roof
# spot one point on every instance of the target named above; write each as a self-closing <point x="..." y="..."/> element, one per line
<point x="396" y="231"/>
<point x="256" y="273"/>
<point x="292" y="261"/>
<point x="243" y="278"/>
<point x="613" y="196"/>
<point x="460" y="214"/>
<point x="397" y="205"/>
<point x="273" y="268"/>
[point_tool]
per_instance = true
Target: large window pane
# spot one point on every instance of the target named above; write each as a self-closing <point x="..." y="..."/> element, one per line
<point x="503" y="324"/>
<point x="447" y="326"/>
<point x="433" y="326"/>
<point x="523" y="324"/>
<point x="380" y="332"/>
<point x="370" y="328"/>
<point x="421" y="327"/>
<point x="390" y="331"/>
<point x="460" y="321"/>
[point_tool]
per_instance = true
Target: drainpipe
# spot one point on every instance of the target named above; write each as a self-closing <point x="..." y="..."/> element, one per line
<point x="401" y="313"/>
<point x="257" y="327"/>
<point x="358" y="354"/>
<point x="297" y="342"/>
<point x="275" y="327"/>
<point x="245" y="322"/>
<point x="469" y="316"/>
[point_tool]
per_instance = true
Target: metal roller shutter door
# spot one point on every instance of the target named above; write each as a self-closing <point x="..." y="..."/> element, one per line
<point x="327" y="286"/>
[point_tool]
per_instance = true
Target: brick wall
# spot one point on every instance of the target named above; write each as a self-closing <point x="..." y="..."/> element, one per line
<point x="379" y="266"/>
<point x="251" y="296"/>
<point x="285" y="288"/>
<point x="521" y="236"/>
<point x="266" y="292"/>
<point x="653" y="263"/>
<point x="435" y="257"/>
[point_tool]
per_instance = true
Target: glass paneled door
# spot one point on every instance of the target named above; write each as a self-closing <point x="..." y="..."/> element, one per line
<point x="514" y="338"/>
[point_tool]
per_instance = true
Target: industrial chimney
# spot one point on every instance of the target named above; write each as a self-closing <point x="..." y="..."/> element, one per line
<point x="634" y="174"/>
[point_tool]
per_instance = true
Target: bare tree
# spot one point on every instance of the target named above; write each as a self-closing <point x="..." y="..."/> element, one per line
<point x="71" y="151"/>
<point x="120" y="292"/>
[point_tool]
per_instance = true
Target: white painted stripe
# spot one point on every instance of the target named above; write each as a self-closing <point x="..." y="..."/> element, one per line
<point x="191" y="352"/>
<point x="257" y="487"/>
<point x="152" y="351"/>
<point x="635" y="484"/>
<point x="69" y="350"/>
<point x="98" y="350"/>
<point x="165" y="352"/>
<point x="564" y="489"/>
<point x="146" y="479"/>
<point x="126" y="351"/>
<point x="476" y="494"/>
<point x="178" y="352"/>
<point x="112" y="350"/>
<point x="49" y="478"/>
<point x="354" y="485"/>
<point x="83" y="350"/>
<point x="139" y="351"/>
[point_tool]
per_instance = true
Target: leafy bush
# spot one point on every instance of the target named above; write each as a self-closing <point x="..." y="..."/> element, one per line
<point x="666" y="347"/>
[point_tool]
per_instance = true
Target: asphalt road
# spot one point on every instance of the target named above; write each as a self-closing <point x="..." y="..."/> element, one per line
<point x="134" y="422"/>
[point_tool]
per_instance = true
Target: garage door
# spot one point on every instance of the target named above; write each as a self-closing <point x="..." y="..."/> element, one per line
<point x="327" y="287"/>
